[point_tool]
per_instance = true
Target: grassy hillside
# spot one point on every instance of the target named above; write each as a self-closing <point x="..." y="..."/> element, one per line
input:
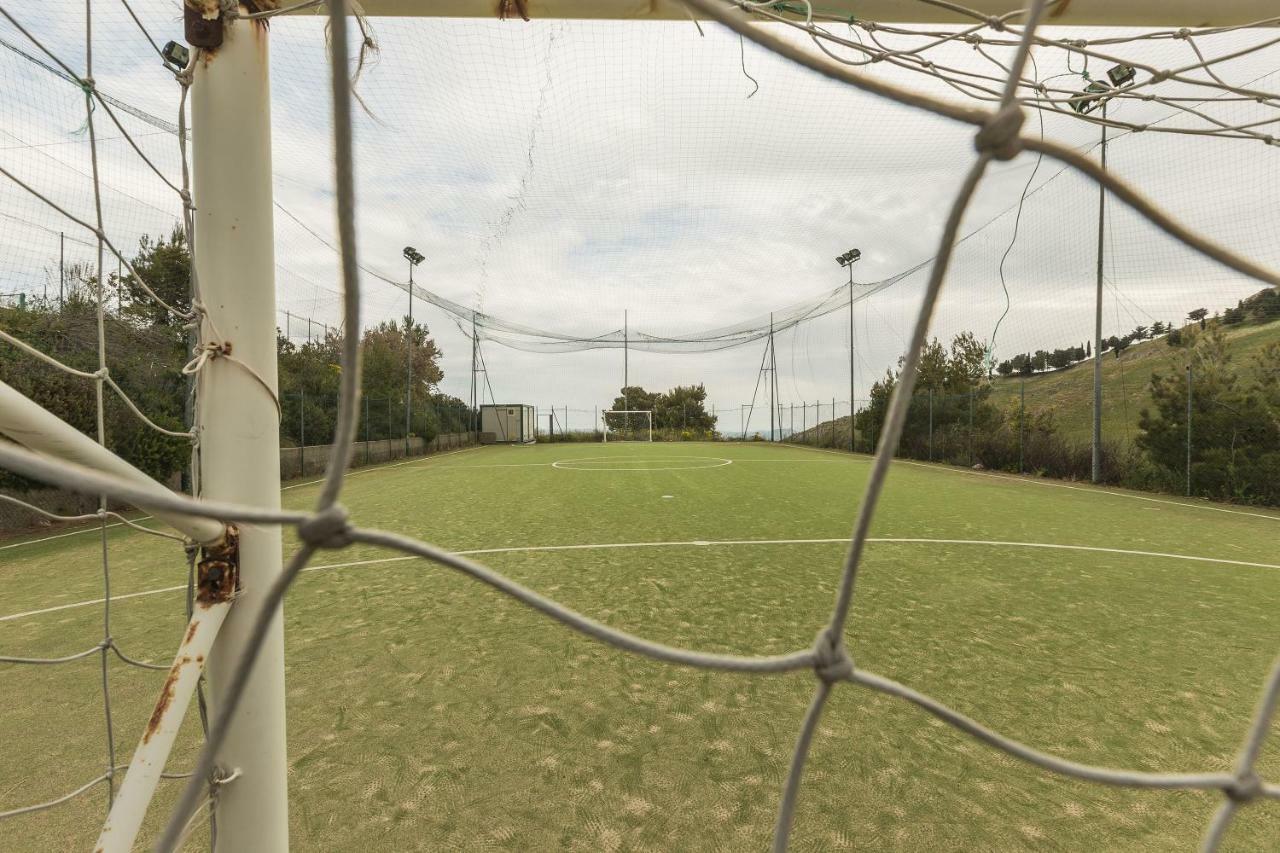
<point x="1126" y="383"/>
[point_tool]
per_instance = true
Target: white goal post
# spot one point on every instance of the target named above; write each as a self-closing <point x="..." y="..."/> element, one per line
<point x="627" y="425"/>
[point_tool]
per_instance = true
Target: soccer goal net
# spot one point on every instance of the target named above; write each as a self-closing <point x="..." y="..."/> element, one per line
<point x="627" y="425"/>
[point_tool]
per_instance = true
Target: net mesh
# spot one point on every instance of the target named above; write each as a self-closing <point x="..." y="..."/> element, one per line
<point x="83" y="204"/>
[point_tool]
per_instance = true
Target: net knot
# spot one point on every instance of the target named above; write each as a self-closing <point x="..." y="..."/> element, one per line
<point x="327" y="528"/>
<point x="831" y="662"/>
<point x="1244" y="788"/>
<point x="995" y="23"/>
<point x="999" y="134"/>
<point x="1182" y="33"/>
<point x="204" y="354"/>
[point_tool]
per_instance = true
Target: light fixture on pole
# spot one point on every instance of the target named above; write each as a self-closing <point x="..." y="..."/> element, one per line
<point x="414" y="257"/>
<point x="1120" y="77"/>
<point x="848" y="259"/>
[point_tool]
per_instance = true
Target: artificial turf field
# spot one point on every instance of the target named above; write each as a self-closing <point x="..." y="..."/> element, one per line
<point x="428" y="712"/>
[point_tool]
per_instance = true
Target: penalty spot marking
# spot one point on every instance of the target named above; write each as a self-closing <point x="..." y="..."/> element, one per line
<point x="602" y="463"/>
<point x="843" y="540"/>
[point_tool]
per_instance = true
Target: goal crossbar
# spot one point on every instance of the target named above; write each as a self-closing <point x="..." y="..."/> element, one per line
<point x="1113" y="13"/>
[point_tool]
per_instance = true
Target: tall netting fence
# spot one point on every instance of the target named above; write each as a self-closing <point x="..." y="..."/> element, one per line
<point x="95" y="302"/>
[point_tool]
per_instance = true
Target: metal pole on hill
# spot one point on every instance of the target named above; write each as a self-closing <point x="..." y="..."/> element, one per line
<point x="1189" y="430"/>
<point x="1096" y="473"/>
<point x="971" y="427"/>
<point x="302" y="432"/>
<point x="62" y="267"/>
<point x="626" y="361"/>
<point x="238" y="421"/>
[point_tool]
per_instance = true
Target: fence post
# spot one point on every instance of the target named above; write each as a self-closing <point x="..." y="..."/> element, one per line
<point x="302" y="432"/>
<point x="1189" y="430"/>
<point x="389" y="427"/>
<point x="834" y="443"/>
<point x="1022" y="420"/>
<point x="930" y="424"/>
<point x="366" y="430"/>
<point x="971" y="427"/>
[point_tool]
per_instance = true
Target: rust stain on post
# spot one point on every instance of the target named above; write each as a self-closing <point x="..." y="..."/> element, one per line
<point x="202" y="25"/>
<point x="166" y="697"/>
<point x="218" y="574"/>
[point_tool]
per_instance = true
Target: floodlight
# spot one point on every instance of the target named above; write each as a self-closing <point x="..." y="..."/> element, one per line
<point x="175" y="55"/>
<point x="1120" y="75"/>
<point x="1087" y="105"/>
<point x="848" y="257"/>
<point x="413" y="256"/>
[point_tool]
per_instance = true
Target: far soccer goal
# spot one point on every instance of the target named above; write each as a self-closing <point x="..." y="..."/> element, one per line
<point x="627" y="425"/>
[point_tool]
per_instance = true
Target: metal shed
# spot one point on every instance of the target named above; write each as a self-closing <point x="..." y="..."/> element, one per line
<point x="507" y="423"/>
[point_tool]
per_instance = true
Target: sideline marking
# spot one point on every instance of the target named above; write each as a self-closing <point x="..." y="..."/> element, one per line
<point x="1014" y="478"/>
<point x="888" y="540"/>
<point x="569" y="464"/>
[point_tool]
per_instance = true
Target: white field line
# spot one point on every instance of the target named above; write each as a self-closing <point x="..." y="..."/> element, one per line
<point x="993" y="543"/>
<point x="95" y="529"/>
<point x="1012" y="478"/>
<point x="734" y="460"/>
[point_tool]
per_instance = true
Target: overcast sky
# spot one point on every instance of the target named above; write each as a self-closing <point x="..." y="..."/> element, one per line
<point x="557" y="174"/>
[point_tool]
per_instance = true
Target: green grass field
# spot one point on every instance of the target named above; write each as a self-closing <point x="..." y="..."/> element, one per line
<point x="427" y="712"/>
<point x="1126" y="384"/>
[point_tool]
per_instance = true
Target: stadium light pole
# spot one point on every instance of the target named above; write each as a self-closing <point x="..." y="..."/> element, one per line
<point x="848" y="261"/>
<point x="1099" y="93"/>
<point x="414" y="258"/>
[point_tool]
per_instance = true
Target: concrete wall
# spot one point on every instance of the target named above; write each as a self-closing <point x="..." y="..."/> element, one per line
<point x="310" y="461"/>
<point x="292" y="461"/>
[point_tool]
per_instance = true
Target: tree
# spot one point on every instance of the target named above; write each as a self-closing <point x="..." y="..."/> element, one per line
<point x="965" y="385"/>
<point x="310" y="376"/>
<point x="680" y="410"/>
<point x="1235" y="444"/>
<point x="635" y="398"/>
<point x="1198" y="315"/>
<point x="683" y="408"/>
<point x="164" y="265"/>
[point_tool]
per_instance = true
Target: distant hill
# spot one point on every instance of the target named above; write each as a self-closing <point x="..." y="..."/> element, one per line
<point x="1126" y="383"/>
